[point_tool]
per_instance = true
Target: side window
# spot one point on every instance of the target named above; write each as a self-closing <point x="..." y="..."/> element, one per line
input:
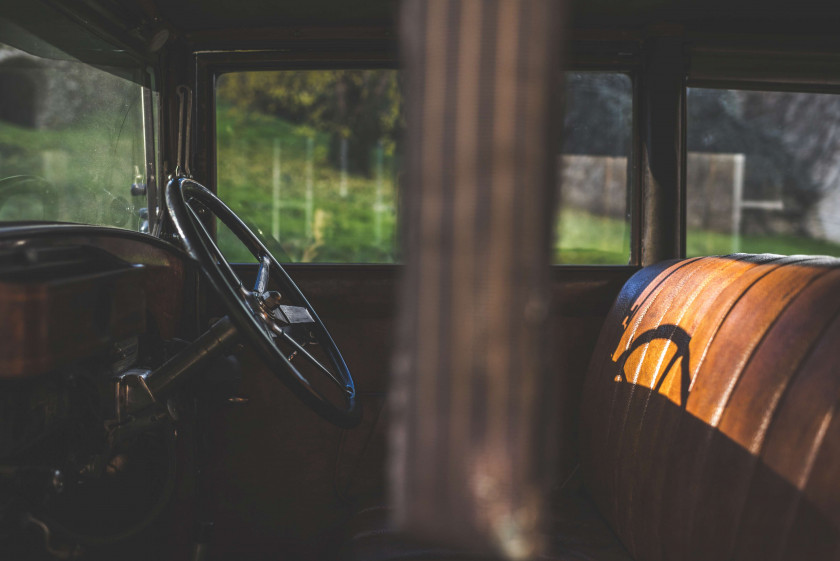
<point x="594" y="225"/>
<point x="762" y="172"/>
<point x="311" y="159"/>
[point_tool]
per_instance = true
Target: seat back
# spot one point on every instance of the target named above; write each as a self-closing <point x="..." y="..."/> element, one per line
<point x="709" y="425"/>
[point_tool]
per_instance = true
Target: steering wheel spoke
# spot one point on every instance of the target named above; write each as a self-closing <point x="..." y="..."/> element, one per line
<point x="258" y="314"/>
<point x="302" y="350"/>
<point x="206" y="242"/>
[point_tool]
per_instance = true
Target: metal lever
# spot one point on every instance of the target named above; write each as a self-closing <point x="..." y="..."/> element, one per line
<point x="137" y="391"/>
<point x="184" y="133"/>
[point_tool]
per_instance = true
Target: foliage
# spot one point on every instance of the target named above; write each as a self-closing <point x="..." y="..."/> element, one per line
<point x="598" y="113"/>
<point x="258" y="152"/>
<point x="344" y="227"/>
<point x="361" y="107"/>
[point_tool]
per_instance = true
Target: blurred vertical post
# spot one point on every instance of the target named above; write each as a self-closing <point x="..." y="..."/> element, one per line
<point x="470" y="397"/>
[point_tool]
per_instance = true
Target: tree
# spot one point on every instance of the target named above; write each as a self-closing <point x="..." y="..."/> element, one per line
<point x="359" y="107"/>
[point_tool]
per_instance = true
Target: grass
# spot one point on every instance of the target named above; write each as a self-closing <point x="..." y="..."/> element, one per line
<point x="89" y="164"/>
<point x="700" y="242"/>
<point x="351" y="225"/>
<point x="344" y="228"/>
<point x="586" y="239"/>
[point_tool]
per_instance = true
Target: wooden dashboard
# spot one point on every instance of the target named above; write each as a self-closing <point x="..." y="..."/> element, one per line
<point x="69" y="292"/>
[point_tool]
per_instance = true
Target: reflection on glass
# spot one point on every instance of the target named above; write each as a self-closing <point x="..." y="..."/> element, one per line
<point x="71" y="142"/>
<point x="762" y="172"/>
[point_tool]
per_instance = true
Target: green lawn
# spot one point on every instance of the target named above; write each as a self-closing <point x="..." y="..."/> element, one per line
<point x="258" y="152"/>
<point x="701" y="242"/>
<point x="358" y="225"/>
<point x="353" y="228"/>
<point x="89" y="165"/>
<point x="350" y="227"/>
<point x="586" y="239"/>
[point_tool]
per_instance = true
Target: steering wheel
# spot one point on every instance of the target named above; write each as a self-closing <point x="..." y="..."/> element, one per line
<point x="281" y="326"/>
<point x="29" y="185"/>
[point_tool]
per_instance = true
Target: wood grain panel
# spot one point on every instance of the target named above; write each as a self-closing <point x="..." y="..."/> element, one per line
<point x="68" y="292"/>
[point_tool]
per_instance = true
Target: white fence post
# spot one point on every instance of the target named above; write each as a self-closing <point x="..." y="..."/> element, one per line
<point x="310" y="187"/>
<point x="275" y="180"/>
<point x="737" y="199"/>
<point x="377" y="207"/>
<point x="342" y="185"/>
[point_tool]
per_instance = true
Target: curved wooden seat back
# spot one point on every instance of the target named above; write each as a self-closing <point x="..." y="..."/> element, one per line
<point x="709" y="424"/>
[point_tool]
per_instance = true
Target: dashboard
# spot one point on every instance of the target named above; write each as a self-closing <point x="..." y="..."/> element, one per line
<point x="86" y="309"/>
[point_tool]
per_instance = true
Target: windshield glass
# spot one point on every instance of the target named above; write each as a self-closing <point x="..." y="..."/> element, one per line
<point x="71" y="142"/>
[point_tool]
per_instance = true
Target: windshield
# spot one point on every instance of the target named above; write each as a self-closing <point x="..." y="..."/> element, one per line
<point x="71" y="143"/>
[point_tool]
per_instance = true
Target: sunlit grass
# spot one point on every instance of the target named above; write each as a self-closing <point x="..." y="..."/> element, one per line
<point x="700" y="242"/>
<point x="88" y="165"/>
<point x="344" y="228"/>
<point x="586" y="239"/>
<point x="255" y="151"/>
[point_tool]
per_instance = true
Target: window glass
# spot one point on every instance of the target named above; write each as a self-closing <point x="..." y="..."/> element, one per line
<point x="71" y="142"/>
<point x="310" y="159"/>
<point x="594" y="222"/>
<point x="762" y="172"/>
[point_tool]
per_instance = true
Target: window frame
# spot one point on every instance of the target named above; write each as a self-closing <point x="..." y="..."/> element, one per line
<point x="584" y="55"/>
<point x="634" y="161"/>
<point x="755" y="64"/>
<point x="212" y="64"/>
<point x="751" y="86"/>
<point x="599" y="51"/>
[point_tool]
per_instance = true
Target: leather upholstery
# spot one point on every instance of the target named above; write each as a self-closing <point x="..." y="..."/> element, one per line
<point x="709" y="424"/>
<point x="709" y="421"/>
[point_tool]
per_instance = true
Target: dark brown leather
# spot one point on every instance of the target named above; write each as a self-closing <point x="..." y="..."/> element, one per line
<point x="709" y="426"/>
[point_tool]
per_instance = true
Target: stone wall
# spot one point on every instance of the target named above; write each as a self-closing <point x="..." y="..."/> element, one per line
<point x="598" y="185"/>
<point x="716" y="181"/>
<point x="595" y="184"/>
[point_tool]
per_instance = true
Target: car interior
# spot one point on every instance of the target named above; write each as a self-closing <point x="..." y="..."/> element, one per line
<point x="419" y="280"/>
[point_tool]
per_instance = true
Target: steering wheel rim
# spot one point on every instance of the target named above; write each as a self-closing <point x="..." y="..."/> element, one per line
<point x="29" y="185"/>
<point x="255" y="320"/>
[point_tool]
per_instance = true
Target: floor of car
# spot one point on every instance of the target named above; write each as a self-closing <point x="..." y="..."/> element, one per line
<point x="577" y="532"/>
